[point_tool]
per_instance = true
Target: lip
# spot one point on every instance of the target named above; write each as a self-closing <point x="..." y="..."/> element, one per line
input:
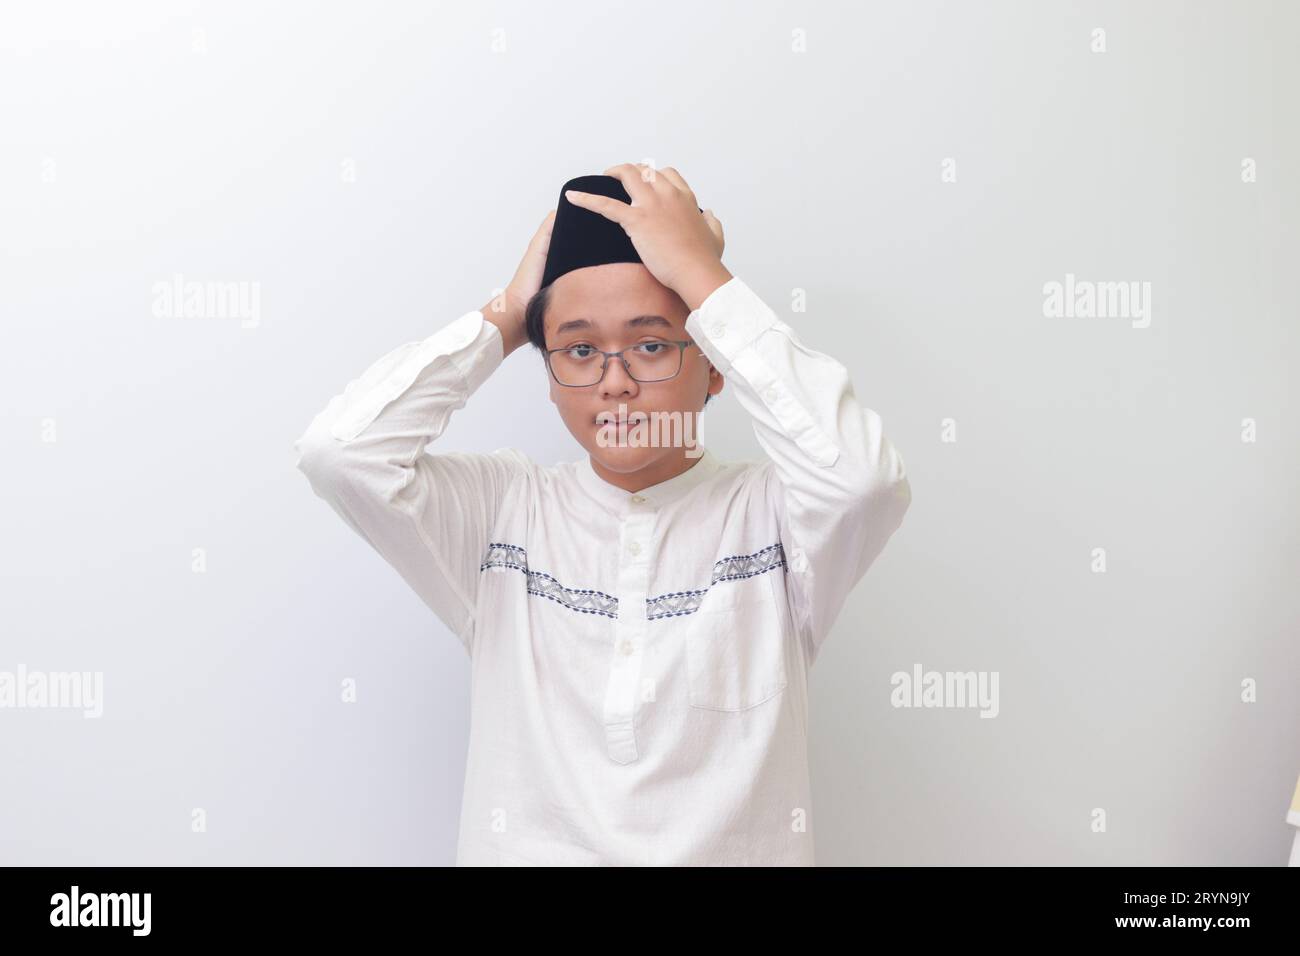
<point x="614" y="420"/>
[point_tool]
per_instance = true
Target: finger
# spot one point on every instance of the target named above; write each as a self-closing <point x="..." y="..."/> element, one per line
<point x="542" y="238"/>
<point x="650" y="176"/>
<point x="637" y="178"/>
<point x="634" y="180"/>
<point x="648" y="173"/>
<point x="612" y="209"/>
<point x="675" y="178"/>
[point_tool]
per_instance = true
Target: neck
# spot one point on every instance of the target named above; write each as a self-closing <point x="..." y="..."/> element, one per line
<point x="670" y="466"/>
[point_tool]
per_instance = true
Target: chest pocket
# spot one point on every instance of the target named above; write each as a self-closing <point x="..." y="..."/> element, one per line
<point x="735" y="655"/>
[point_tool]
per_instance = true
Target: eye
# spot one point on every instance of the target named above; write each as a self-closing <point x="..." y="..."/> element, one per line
<point x="581" y="351"/>
<point x="652" y="348"/>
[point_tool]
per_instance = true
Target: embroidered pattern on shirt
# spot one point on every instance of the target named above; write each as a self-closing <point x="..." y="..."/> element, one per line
<point x="731" y="568"/>
<point x="575" y="599"/>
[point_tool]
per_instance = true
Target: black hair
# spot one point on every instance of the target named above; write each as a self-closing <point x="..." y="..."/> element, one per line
<point x="535" y="322"/>
<point x="534" y="316"/>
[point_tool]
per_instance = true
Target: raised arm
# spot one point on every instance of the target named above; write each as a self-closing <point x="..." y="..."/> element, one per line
<point x="427" y="515"/>
<point x="837" y="483"/>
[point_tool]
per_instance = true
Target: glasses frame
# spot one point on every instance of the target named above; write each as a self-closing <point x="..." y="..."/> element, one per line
<point x="681" y="344"/>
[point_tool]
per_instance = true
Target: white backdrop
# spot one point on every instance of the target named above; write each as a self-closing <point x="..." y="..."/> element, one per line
<point x="920" y="172"/>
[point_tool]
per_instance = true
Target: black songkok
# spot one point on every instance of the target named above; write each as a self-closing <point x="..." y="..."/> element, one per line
<point x="580" y="237"/>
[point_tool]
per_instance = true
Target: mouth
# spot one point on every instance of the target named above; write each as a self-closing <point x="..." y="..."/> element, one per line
<point x="610" y="418"/>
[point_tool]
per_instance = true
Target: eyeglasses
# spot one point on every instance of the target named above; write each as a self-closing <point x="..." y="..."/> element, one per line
<point x="654" y="360"/>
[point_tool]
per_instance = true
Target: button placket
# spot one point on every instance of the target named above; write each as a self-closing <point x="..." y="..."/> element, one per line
<point x="628" y="649"/>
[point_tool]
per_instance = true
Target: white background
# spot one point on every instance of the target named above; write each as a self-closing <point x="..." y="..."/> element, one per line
<point x="138" y="141"/>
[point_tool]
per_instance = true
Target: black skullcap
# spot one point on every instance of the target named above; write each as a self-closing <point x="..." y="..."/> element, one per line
<point x="580" y="237"/>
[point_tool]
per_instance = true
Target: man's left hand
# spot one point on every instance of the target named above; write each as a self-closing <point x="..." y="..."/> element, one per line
<point x="681" y="247"/>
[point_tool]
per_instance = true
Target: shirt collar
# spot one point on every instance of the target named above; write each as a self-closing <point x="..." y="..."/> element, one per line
<point x="655" y="496"/>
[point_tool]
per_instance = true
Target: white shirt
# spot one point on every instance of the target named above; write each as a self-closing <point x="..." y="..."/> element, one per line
<point x="639" y="661"/>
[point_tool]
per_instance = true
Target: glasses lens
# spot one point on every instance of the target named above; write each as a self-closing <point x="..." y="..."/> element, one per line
<point x="653" y="360"/>
<point x="577" y="366"/>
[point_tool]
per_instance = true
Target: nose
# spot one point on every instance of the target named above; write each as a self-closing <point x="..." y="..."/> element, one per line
<point x="617" y="381"/>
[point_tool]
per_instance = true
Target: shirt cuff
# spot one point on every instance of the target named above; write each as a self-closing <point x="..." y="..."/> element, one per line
<point x="726" y="327"/>
<point x="728" y="322"/>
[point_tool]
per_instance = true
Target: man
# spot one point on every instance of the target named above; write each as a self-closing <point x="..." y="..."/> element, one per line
<point x="641" y="621"/>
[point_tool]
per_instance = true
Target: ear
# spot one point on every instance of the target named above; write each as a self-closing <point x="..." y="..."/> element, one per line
<point x="716" y="380"/>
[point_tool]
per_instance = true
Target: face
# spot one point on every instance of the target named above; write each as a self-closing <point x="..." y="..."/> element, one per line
<point x="615" y="306"/>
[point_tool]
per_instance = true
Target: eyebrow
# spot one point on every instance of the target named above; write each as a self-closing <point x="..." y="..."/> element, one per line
<point x="640" y="321"/>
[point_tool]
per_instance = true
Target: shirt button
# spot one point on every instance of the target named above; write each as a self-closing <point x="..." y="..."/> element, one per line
<point x="770" y="395"/>
<point x="634" y="548"/>
<point x="626" y="647"/>
<point x="718" y="330"/>
<point x="637" y="499"/>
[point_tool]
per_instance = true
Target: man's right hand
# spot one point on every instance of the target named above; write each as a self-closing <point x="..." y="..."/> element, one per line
<point x="506" y="311"/>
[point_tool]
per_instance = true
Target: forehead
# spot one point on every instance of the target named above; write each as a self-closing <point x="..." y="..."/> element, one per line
<point x="608" y="297"/>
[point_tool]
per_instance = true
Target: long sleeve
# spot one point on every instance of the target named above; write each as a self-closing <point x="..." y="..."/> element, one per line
<point x="837" y="483"/>
<point x="427" y="515"/>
